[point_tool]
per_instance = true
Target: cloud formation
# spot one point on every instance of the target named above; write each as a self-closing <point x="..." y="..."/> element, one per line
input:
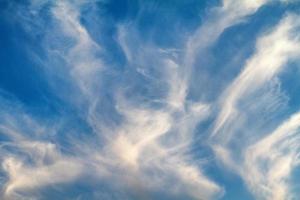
<point x="126" y="123"/>
<point x="265" y="163"/>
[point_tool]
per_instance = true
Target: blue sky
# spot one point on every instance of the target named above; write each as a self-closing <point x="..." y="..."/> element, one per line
<point x="150" y="99"/>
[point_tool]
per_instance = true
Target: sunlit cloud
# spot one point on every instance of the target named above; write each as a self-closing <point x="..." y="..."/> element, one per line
<point x="119" y="117"/>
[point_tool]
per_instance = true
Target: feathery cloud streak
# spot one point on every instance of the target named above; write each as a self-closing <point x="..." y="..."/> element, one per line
<point x="127" y="125"/>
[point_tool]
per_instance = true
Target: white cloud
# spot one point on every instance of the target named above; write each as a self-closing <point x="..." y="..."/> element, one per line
<point x="149" y="147"/>
<point x="274" y="50"/>
<point x="34" y="163"/>
<point x="267" y="163"/>
<point x="24" y="177"/>
<point x="82" y="56"/>
<point x="229" y="14"/>
<point x="270" y="162"/>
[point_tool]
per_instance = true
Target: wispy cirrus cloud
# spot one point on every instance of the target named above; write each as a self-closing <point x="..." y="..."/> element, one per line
<point x="274" y="50"/>
<point x="28" y="159"/>
<point x="130" y="125"/>
<point x="149" y="143"/>
<point x="266" y="163"/>
<point x="270" y="162"/>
